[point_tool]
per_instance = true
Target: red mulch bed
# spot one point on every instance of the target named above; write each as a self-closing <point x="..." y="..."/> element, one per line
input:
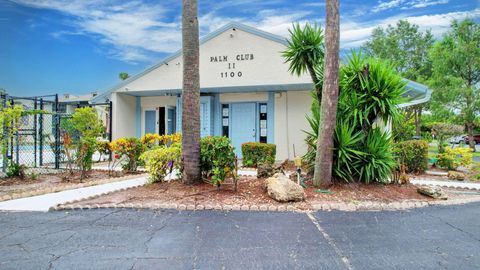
<point x="250" y="192"/>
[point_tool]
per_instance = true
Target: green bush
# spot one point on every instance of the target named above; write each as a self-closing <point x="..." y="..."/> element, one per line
<point x="256" y="153"/>
<point x="370" y="90"/>
<point x="413" y="154"/>
<point x="451" y="158"/>
<point x="131" y="148"/>
<point x="377" y="162"/>
<point x="85" y="150"/>
<point x="162" y="160"/>
<point x="80" y="133"/>
<point x="217" y="159"/>
<point x="16" y="170"/>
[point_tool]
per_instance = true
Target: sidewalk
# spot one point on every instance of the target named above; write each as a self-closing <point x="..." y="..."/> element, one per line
<point x="45" y="202"/>
<point x="451" y="184"/>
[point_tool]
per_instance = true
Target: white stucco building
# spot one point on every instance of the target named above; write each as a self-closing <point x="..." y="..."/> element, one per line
<point x="247" y="93"/>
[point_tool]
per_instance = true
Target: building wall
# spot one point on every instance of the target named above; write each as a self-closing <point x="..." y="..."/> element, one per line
<point x="290" y="122"/>
<point x="243" y="97"/>
<point x="266" y="68"/>
<point x="124" y="114"/>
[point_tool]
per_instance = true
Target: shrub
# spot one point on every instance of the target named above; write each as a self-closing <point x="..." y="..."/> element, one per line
<point x="86" y="148"/>
<point x="377" y="163"/>
<point x="217" y="159"/>
<point x="16" y="170"/>
<point x="162" y="160"/>
<point x="451" y="158"/>
<point x="346" y="141"/>
<point x="413" y="154"/>
<point x="370" y="90"/>
<point x="131" y="148"/>
<point x="150" y="140"/>
<point x="80" y="133"/>
<point x="103" y="148"/>
<point x="256" y="153"/>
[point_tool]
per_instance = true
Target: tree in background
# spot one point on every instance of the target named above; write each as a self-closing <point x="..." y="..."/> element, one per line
<point x="123" y="76"/>
<point x="407" y="49"/>
<point x="305" y="52"/>
<point x="329" y="101"/>
<point x="190" y="94"/>
<point x="456" y="73"/>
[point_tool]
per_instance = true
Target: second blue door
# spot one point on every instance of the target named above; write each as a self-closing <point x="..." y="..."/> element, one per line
<point x="243" y="125"/>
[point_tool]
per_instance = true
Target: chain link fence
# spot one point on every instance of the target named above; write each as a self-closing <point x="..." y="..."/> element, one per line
<point x="37" y="143"/>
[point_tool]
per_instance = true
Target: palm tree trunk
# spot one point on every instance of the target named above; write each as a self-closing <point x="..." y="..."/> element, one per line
<point x="190" y="94"/>
<point x="328" y="108"/>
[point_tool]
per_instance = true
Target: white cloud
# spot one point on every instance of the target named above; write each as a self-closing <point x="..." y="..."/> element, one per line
<point x="406" y="4"/>
<point x="354" y="34"/>
<point x="132" y="29"/>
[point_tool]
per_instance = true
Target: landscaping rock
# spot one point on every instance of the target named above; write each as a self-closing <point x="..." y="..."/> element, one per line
<point x="434" y="192"/>
<point x="265" y="170"/>
<point x="453" y="175"/>
<point x="280" y="188"/>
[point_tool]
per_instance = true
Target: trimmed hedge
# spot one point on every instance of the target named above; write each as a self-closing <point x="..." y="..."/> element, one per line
<point x="256" y="153"/>
<point x="413" y="154"/>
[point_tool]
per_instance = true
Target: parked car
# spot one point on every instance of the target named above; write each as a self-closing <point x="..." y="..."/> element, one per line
<point x="457" y="139"/>
<point x="476" y="138"/>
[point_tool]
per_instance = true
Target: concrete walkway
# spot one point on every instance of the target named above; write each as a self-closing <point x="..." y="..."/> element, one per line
<point x="46" y="201"/>
<point x="452" y="184"/>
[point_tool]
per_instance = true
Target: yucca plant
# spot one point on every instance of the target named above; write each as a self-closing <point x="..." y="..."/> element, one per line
<point x="370" y="90"/>
<point x="347" y="152"/>
<point x="305" y="52"/>
<point x="378" y="160"/>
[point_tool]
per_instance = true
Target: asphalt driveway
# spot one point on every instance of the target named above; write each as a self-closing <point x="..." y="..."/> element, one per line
<point x="429" y="238"/>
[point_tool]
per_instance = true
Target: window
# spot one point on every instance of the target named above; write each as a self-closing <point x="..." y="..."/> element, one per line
<point x="263" y="122"/>
<point x="225" y="119"/>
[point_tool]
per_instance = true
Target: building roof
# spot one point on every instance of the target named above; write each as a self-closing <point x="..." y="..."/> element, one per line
<point x="417" y="93"/>
<point x="70" y="98"/>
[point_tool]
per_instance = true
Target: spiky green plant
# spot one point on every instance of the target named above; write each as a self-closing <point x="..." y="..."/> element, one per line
<point x="370" y="90"/>
<point x="348" y="150"/>
<point x="305" y="52"/>
<point x="377" y="162"/>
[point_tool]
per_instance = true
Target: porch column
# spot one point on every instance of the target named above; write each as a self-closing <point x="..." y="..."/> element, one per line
<point x="138" y="117"/>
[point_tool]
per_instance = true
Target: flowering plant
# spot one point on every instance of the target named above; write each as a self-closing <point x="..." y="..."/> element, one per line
<point x="131" y="148"/>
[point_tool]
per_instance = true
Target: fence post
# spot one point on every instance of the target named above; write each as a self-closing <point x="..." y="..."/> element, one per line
<point x="57" y="134"/>
<point x="5" y="139"/>
<point x="40" y="129"/>
<point x="35" y="132"/>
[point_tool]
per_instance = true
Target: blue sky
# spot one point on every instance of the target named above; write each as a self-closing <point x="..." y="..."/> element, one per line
<point x="79" y="46"/>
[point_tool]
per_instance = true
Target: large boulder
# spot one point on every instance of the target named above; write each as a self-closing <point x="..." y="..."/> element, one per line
<point x="434" y="192"/>
<point x="280" y="188"/>
<point x="453" y="175"/>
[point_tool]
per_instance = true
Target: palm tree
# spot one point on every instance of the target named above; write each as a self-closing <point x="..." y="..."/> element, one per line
<point x="123" y="76"/>
<point x="305" y="52"/>
<point x="190" y="93"/>
<point x="329" y="101"/>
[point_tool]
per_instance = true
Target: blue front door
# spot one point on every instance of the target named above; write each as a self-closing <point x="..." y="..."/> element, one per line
<point x="243" y="125"/>
<point x="150" y="121"/>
